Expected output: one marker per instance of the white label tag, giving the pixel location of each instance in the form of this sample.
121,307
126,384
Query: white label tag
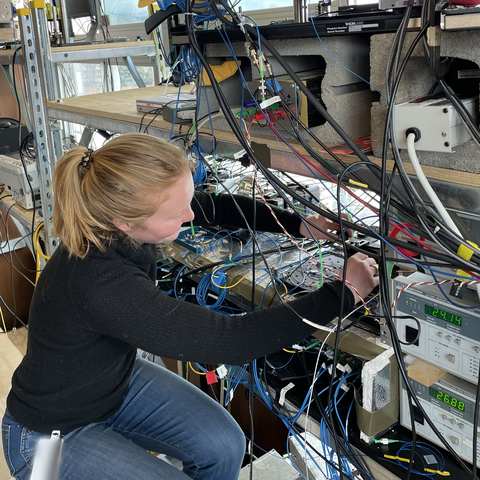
269,101
222,371
283,392
239,154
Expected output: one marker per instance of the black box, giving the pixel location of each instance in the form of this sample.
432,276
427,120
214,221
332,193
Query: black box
9,139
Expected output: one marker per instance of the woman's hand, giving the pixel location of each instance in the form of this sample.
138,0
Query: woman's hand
322,223
362,275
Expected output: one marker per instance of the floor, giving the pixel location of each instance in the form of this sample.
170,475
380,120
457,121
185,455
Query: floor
12,349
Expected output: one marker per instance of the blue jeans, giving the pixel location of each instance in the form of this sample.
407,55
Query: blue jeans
161,413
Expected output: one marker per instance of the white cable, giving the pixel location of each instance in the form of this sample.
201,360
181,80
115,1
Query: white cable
429,190
170,74
201,124
427,187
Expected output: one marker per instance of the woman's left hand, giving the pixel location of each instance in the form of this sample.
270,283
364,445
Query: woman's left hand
324,224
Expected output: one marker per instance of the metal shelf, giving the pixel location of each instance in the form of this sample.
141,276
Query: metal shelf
102,51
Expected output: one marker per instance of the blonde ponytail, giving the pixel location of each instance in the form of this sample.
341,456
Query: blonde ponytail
121,180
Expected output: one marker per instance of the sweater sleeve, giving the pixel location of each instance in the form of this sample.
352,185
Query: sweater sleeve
130,308
224,211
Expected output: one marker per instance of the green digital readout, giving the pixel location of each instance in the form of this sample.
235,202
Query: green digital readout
448,399
443,315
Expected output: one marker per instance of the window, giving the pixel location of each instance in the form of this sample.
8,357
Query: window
253,4
121,12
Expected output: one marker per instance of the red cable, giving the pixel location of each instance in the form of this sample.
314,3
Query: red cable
346,189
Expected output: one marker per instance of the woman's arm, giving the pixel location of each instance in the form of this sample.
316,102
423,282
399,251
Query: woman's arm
223,211
141,315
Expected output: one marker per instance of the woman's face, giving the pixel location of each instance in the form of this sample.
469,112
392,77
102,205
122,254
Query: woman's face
173,210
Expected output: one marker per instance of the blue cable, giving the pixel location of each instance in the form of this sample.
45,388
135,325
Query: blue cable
258,34
308,167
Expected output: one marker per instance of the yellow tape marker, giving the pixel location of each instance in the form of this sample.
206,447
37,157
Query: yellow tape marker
438,472
23,12
37,4
466,253
364,185
393,457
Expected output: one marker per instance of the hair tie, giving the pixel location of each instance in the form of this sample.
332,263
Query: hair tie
87,159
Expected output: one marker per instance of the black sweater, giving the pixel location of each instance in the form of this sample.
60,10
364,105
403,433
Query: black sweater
89,316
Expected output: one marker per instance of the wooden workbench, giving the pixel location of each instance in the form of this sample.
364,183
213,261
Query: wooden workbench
120,107
6,57
21,214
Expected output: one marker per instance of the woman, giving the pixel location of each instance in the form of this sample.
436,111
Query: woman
96,302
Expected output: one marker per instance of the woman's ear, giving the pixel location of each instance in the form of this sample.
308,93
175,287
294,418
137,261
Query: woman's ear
125,227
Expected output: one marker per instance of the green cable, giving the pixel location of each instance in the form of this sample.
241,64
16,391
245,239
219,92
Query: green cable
192,127
314,344
380,440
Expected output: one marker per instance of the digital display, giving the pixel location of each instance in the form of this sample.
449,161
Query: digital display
443,315
448,399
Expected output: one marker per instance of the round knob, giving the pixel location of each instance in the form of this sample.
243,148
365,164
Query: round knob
448,338
476,348
461,425
458,341
440,334
451,358
444,417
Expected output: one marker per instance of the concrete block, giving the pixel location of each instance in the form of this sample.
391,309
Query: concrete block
464,44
